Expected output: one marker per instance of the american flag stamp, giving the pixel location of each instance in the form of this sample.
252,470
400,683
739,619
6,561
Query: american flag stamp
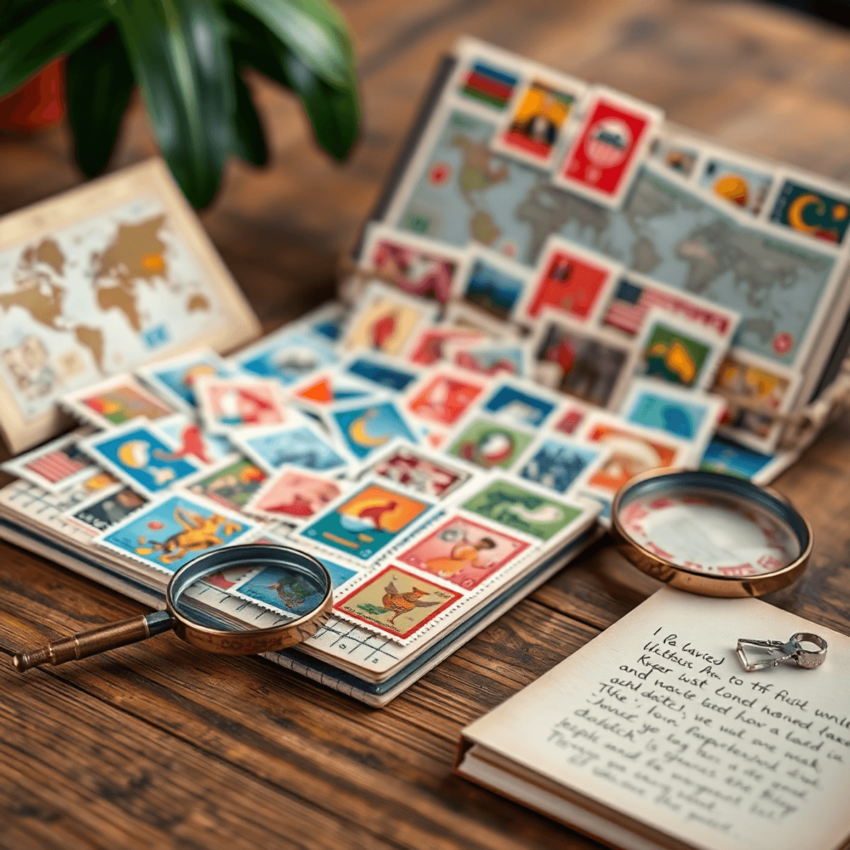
56,465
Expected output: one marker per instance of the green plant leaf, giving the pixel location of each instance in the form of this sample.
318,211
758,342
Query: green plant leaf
180,55
313,31
333,111
60,27
249,140
99,83
14,12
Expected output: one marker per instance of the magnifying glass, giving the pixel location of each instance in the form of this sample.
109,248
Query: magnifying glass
196,614
709,533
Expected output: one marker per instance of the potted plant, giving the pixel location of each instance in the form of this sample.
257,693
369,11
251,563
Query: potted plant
188,58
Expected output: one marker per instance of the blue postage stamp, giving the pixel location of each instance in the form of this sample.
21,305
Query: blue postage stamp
559,464
520,404
377,371
289,357
141,457
364,428
173,530
298,445
174,379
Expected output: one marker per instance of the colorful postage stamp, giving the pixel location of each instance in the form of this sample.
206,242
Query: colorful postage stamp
568,280
465,317
815,211
492,358
174,379
288,593
396,602
430,344
171,531
192,440
559,464
745,186
463,551
487,81
105,509
55,466
725,456
293,495
608,146
386,320
365,428
240,402
114,402
363,524
534,130
687,414
322,390
677,350
522,403
592,365
633,296
411,263
679,154
570,417
287,356
494,284
232,482
381,373
294,445
140,456
488,443
326,321
524,508
445,396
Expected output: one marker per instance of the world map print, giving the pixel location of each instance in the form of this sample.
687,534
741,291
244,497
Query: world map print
97,298
466,193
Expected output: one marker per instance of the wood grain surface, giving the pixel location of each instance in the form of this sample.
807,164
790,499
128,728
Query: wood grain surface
161,746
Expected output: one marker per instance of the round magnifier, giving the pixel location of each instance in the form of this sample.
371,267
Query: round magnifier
199,609
710,533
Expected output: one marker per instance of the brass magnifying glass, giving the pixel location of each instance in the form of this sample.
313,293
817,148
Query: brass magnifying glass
196,615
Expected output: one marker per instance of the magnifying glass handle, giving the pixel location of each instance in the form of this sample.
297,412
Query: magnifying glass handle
99,640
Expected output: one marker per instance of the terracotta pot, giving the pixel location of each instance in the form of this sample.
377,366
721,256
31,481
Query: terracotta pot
38,103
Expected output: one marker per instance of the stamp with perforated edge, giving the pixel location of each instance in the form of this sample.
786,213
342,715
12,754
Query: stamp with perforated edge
114,402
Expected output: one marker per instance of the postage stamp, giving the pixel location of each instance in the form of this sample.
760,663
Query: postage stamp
491,358
687,414
169,532
485,78
55,466
525,508
294,445
679,153
396,602
494,283
287,356
323,389
570,417
593,365
466,317
677,350
293,495
381,372
559,464
633,296
174,379
523,403
463,551
140,456
192,440
535,128
733,178
365,428
608,146
487,442
445,396
811,207
113,402
240,402
105,509
364,523
420,471
430,344
568,280
231,482
725,456
326,322
413,264
386,320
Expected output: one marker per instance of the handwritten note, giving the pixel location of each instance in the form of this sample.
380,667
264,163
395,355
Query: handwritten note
656,718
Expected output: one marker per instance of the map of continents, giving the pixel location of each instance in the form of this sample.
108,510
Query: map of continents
465,193
94,299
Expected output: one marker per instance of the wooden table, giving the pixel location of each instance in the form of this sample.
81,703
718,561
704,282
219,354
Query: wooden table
160,746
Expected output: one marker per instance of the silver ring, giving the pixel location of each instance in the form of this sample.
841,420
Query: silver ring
781,651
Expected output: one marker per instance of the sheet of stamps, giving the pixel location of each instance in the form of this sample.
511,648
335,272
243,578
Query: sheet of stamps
170,531
55,466
240,402
590,364
232,482
174,379
294,495
140,456
386,320
114,402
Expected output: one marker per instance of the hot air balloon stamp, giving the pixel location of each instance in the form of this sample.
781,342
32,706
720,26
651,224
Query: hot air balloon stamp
141,456
744,185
